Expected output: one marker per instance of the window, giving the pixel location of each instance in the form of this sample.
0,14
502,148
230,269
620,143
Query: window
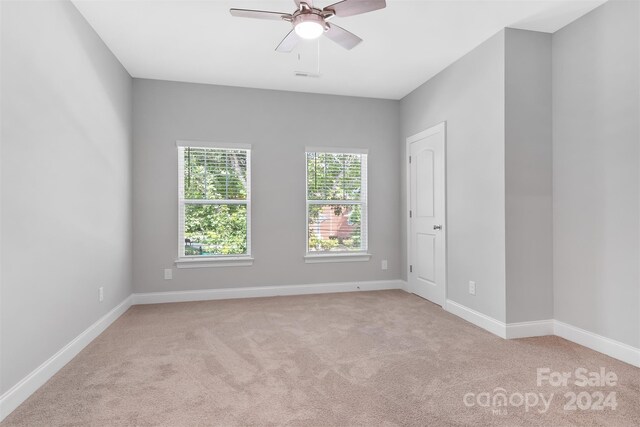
336,205
214,213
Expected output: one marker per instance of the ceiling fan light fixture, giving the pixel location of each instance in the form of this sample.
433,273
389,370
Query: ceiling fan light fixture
308,26
310,22
309,30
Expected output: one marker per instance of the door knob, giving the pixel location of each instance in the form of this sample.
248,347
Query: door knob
437,227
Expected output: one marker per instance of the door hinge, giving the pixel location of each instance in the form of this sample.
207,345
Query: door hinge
411,269
409,159
410,214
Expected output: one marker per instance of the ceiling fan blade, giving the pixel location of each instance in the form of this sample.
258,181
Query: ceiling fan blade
355,7
288,43
341,36
260,14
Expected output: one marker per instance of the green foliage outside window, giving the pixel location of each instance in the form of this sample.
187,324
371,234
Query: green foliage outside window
215,229
215,175
334,177
216,189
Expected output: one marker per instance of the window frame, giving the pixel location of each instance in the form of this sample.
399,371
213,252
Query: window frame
198,261
312,257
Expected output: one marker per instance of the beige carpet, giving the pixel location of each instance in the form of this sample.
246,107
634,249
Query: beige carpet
370,359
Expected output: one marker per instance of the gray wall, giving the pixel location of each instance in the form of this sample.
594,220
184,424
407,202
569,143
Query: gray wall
595,172
529,213
469,95
66,179
279,125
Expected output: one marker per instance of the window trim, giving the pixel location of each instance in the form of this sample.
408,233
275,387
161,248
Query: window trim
339,256
217,261
199,261
336,257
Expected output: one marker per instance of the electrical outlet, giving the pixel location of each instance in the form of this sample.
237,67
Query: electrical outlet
168,274
384,264
472,287
101,293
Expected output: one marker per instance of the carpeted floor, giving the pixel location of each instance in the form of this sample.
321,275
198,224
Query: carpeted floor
369,359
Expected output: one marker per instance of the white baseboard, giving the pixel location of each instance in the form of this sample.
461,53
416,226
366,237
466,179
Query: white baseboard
615,349
28,385
264,291
17,394
488,323
404,285
536,328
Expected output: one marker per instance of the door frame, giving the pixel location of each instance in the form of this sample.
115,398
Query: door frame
442,126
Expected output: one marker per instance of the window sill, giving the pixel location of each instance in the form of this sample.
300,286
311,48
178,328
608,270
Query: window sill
206,262
358,257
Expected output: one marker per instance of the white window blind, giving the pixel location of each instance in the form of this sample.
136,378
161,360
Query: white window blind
214,198
336,201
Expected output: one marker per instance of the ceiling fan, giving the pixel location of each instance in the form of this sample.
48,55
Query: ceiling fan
310,22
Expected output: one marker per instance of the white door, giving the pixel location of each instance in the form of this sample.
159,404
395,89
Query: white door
427,242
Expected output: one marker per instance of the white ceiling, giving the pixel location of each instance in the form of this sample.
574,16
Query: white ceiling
404,45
